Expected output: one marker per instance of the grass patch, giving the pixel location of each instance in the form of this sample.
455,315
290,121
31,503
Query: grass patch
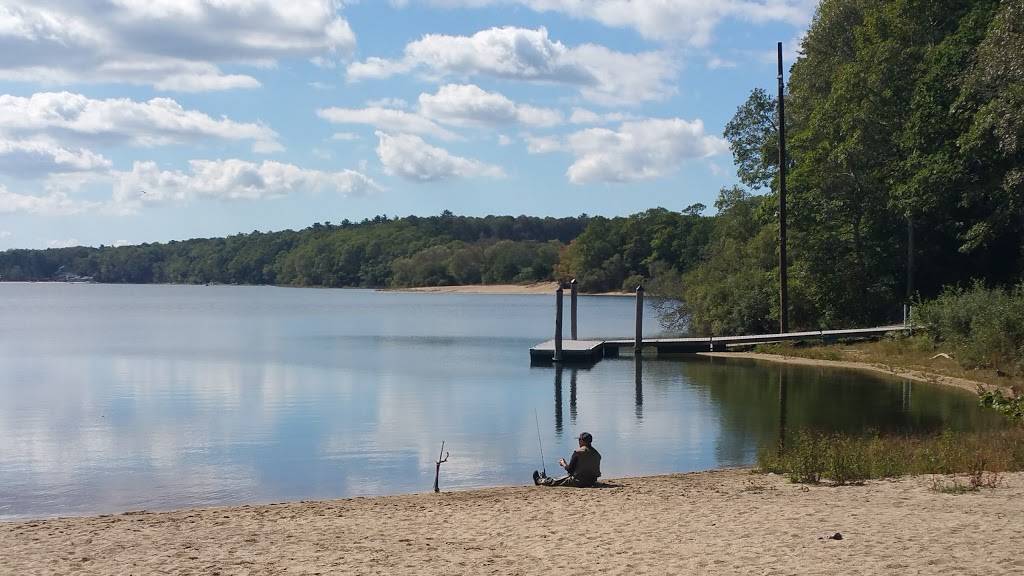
843,459
919,353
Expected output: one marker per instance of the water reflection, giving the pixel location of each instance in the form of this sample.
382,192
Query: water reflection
638,384
124,397
572,396
558,399
782,409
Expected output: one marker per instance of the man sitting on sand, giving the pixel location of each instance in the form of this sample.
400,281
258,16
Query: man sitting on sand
584,468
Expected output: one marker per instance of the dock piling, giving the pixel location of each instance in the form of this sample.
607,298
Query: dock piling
639,340
558,325
572,308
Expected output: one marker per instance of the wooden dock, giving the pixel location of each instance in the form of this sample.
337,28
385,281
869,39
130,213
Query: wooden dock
590,351
577,351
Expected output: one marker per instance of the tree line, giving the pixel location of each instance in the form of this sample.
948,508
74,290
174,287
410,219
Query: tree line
905,133
377,252
605,254
906,160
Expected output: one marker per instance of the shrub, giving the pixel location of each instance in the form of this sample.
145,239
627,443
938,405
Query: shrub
984,326
1012,406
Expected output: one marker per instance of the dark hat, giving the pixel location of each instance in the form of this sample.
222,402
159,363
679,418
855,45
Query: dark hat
586,438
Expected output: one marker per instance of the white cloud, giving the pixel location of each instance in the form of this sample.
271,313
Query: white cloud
716,63
504,140
67,243
543,144
172,45
601,75
388,120
205,82
120,243
388,103
638,150
584,116
159,121
690,21
53,203
411,158
5,234
321,86
229,180
468,104
37,158
344,136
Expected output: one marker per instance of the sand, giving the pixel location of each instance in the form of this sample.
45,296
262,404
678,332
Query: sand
721,522
917,375
535,288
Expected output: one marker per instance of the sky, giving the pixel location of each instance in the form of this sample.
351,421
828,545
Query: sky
131,121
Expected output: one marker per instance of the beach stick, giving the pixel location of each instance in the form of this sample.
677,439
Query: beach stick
437,465
539,443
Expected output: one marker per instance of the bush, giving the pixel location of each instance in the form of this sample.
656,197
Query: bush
984,326
1012,406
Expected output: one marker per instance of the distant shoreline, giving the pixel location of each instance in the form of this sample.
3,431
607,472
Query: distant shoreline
534,288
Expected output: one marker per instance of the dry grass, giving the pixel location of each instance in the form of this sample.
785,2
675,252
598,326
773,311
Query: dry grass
842,459
916,353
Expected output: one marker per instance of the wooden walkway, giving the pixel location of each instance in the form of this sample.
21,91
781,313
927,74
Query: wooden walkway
589,351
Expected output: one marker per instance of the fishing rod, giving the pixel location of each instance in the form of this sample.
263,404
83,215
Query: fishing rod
539,443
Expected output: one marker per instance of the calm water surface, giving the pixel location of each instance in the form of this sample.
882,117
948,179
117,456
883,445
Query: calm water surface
116,398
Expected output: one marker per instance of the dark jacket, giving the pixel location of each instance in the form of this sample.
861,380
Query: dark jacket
585,465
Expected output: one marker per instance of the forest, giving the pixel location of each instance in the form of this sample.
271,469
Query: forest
905,132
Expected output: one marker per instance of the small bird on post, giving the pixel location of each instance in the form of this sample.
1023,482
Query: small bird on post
437,465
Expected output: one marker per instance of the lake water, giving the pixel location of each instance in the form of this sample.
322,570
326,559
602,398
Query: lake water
116,398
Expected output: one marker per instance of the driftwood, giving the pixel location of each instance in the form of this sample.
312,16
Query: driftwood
441,459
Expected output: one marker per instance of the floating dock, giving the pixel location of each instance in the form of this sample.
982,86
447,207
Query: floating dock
590,351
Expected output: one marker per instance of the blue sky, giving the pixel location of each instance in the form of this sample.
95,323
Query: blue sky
129,121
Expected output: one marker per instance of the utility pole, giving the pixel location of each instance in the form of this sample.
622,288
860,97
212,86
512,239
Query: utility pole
910,271
783,287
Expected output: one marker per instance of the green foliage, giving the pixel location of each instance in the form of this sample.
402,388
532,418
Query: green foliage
1012,406
377,252
844,459
617,253
900,115
753,137
984,327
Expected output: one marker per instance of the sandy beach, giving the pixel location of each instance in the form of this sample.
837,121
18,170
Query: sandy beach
720,522
535,288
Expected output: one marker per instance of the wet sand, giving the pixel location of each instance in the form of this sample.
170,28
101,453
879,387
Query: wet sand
916,375
721,522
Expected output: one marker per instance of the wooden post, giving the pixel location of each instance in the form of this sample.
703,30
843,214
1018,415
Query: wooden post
572,308
558,325
639,340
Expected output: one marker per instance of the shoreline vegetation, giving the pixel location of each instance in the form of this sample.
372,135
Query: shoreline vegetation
719,522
